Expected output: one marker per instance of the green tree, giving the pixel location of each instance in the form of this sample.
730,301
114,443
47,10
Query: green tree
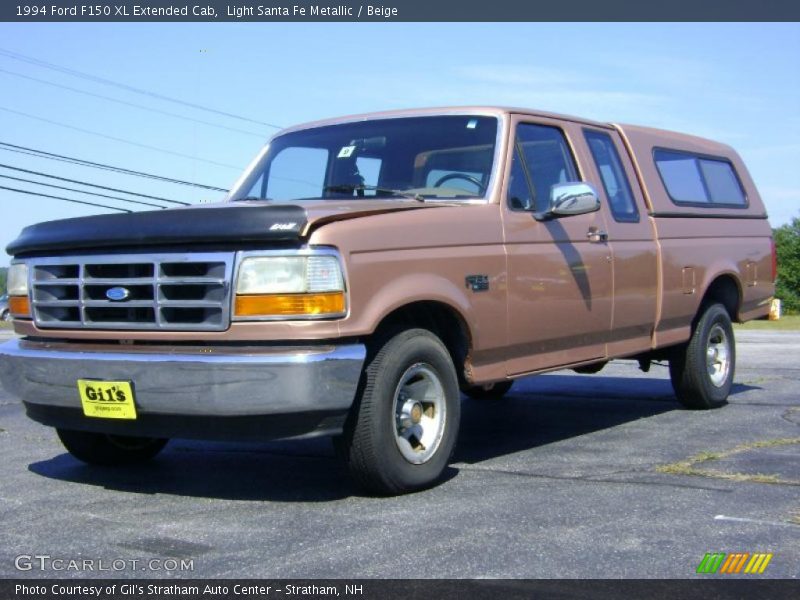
787,243
3,272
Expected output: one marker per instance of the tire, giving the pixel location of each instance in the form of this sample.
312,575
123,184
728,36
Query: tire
492,391
702,370
394,442
5,316
109,450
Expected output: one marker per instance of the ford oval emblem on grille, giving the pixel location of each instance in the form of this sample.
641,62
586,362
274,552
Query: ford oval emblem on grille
118,294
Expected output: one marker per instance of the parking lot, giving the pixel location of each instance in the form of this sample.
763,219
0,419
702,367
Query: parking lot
570,476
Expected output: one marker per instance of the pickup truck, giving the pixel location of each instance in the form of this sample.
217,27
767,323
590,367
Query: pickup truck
364,271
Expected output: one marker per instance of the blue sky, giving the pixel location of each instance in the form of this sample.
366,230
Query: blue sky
737,83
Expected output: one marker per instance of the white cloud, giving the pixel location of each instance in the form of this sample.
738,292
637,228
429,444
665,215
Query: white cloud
782,203
782,194
777,149
556,90
520,75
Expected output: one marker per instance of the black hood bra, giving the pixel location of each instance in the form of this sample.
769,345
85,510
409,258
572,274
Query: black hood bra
260,223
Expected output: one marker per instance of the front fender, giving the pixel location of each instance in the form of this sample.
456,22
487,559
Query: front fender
408,289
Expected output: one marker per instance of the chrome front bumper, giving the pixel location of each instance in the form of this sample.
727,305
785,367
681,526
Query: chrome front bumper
220,381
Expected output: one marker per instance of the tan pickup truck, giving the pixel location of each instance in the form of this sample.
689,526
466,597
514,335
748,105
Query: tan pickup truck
365,270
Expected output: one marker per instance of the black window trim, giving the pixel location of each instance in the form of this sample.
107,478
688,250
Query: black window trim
521,156
696,156
638,215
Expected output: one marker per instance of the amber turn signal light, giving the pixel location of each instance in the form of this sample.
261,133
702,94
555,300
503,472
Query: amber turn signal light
284,305
19,306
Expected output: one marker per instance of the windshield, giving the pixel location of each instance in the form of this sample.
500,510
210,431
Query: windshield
418,157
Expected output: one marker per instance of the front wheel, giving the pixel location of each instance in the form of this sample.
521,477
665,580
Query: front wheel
109,450
702,370
404,425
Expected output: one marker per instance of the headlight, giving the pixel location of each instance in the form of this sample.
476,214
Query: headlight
17,283
290,286
18,280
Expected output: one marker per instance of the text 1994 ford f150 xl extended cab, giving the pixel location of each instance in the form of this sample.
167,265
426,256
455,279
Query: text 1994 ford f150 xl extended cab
365,270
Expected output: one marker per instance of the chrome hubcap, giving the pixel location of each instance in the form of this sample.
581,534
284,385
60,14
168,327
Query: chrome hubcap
419,411
718,353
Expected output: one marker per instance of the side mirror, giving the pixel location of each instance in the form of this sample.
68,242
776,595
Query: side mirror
568,199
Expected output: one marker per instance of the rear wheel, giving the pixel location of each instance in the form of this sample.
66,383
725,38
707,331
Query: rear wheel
404,425
109,450
702,370
490,391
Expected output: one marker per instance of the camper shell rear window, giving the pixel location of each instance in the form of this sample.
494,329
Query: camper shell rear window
699,180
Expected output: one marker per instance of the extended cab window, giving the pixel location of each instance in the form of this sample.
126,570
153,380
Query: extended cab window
542,159
615,181
699,180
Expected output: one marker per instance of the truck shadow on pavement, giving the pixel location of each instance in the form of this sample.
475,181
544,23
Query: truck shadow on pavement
551,408
538,411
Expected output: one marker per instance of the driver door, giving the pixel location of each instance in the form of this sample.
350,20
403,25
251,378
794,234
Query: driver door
560,272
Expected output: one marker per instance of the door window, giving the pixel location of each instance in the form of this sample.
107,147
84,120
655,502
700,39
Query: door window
544,160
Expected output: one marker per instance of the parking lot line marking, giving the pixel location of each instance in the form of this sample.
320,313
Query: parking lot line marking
746,520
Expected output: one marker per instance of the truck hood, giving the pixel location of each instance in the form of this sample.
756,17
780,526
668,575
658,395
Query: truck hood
319,212
252,221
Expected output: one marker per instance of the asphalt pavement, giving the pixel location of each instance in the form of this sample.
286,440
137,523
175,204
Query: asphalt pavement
569,476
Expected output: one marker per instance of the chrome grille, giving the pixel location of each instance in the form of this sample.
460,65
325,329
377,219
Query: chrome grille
158,292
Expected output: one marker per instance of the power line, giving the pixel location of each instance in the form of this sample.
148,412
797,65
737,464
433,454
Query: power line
69,189
129,88
140,106
88,163
117,139
94,185
2,187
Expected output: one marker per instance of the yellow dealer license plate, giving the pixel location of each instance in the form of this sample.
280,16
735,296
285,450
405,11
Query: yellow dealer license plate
107,399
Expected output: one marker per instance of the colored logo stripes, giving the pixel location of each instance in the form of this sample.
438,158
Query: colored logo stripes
737,562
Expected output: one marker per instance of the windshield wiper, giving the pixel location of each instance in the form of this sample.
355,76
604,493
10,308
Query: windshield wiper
349,188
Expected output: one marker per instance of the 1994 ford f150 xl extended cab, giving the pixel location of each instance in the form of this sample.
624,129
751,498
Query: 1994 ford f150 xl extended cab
364,270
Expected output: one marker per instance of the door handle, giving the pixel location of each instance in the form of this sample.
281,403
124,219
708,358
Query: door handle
596,236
